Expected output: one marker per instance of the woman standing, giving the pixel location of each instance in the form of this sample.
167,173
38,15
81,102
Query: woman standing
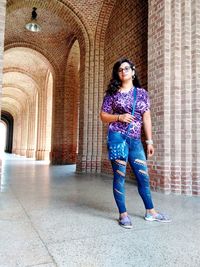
117,110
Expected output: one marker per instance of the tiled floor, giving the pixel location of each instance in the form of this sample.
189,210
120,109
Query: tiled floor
51,216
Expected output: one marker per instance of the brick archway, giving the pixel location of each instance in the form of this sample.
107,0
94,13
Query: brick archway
79,28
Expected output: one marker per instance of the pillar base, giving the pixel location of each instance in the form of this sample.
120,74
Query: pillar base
30,153
42,154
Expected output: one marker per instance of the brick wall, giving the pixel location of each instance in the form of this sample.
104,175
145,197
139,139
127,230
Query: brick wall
194,17
173,78
126,35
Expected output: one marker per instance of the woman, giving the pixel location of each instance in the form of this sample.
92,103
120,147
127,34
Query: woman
116,110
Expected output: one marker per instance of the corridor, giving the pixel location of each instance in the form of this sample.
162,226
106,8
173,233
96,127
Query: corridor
50,216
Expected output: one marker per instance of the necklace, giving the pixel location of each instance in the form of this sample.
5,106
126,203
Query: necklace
121,90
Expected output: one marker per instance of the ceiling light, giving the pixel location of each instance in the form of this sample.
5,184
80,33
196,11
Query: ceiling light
33,26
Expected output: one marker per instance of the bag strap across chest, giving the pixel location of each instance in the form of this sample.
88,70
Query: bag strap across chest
133,110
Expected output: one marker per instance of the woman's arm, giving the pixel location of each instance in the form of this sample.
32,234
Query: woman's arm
147,125
106,117
148,132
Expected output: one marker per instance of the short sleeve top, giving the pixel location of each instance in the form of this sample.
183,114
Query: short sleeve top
122,102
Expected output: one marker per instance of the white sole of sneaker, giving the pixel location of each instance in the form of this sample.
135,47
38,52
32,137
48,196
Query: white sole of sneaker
126,226
157,220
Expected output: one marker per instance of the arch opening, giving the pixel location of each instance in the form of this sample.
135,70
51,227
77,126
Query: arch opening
7,119
3,133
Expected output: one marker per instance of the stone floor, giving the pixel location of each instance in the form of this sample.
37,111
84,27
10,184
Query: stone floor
51,216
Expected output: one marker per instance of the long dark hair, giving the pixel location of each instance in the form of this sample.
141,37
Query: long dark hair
115,83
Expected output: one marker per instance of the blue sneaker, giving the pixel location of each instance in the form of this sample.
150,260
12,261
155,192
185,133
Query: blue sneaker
159,217
125,222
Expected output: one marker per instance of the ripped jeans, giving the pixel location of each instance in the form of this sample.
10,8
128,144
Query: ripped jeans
137,160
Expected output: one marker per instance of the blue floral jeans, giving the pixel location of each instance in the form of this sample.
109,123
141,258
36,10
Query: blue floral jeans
137,160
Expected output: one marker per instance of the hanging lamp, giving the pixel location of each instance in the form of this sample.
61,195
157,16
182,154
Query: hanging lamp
33,26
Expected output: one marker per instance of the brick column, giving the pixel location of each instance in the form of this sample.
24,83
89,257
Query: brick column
17,133
195,91
41,150
44,115
159,90
71,106
32,129
24,132
174,86
175,97
57,122
186,97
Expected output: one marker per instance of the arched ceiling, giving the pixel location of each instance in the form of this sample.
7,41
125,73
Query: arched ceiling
24,76
25,66
56,16
15,92
58,20
11,105
26,60
22,80
52,25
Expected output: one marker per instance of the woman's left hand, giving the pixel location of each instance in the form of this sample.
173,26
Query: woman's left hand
150,150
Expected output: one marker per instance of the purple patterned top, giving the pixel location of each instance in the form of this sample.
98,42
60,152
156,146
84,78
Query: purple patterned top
122,102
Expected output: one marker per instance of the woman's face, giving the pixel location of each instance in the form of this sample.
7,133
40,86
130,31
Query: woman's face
125,72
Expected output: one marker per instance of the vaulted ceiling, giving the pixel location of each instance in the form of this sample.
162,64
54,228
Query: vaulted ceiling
30,56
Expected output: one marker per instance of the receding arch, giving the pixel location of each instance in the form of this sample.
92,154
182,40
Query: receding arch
15,56
77,25
26,89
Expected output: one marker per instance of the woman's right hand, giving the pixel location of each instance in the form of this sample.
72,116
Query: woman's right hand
126,117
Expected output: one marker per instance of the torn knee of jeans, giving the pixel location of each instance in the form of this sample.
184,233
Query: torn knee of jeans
143,172
118,191
121,173
122,162
141,162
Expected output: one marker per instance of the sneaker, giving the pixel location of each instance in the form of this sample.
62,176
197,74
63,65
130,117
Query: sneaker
159,217
125,222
